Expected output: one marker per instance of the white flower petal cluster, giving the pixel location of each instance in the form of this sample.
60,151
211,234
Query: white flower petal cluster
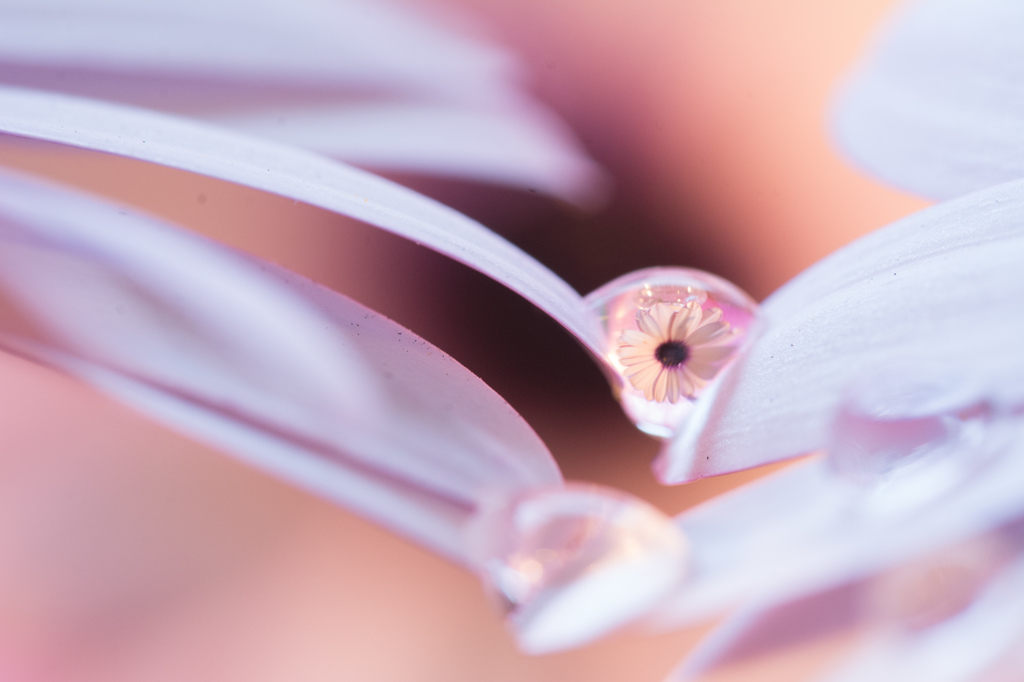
899,355
909,527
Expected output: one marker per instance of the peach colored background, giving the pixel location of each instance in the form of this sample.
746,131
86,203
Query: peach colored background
132,554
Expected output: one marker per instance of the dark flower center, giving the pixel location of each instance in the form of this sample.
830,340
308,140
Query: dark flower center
672,353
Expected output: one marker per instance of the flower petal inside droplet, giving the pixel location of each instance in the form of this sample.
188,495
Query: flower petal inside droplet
675,350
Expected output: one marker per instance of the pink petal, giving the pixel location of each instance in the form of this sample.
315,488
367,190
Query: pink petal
259,362
938,291
308,72
937,106
298,175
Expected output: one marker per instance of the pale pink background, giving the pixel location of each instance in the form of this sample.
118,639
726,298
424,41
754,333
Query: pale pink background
128,553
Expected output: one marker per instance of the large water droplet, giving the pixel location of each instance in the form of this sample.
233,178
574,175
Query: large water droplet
669,333
573,563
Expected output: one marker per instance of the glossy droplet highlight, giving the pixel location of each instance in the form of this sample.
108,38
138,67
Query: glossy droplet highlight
573,563
669,333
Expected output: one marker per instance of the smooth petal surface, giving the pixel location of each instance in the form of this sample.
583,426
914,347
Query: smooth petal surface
938,107
967,648
374,45
807,530
938,292
299,175
959,649
259,362
811,527
522,145
758,629
310,72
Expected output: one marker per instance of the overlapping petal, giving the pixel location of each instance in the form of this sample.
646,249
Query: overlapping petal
979,641
920,470
937,107
938,290
805,530
981,644
321,74
259,362
296,174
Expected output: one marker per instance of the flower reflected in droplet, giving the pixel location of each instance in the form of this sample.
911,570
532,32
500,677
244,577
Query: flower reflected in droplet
675,350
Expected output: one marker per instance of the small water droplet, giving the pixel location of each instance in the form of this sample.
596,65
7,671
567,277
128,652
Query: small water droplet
570,564
908,436
669,333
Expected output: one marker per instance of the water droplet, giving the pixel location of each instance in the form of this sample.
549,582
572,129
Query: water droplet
909,436
669,333
573,563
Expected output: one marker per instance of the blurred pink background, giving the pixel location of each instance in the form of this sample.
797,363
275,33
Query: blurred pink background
133,554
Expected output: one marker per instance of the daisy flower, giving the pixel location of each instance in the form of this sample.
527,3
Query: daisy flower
675,350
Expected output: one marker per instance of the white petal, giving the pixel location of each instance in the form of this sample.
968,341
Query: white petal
966,648
645,378
684,322
805,530
653,323
958,650
259,362
299,175
673,379
706,355
660,388
709,333
300,43
322,75
638,339
938,292
690,382
938,107
759,629
704,371
638,357
710,316
520,145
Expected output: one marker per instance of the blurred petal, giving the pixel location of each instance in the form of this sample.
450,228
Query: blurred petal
806,529
259,362
303,43
961,649
305,72
937,108
759,629
523,147
955,650
939,289
298,175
